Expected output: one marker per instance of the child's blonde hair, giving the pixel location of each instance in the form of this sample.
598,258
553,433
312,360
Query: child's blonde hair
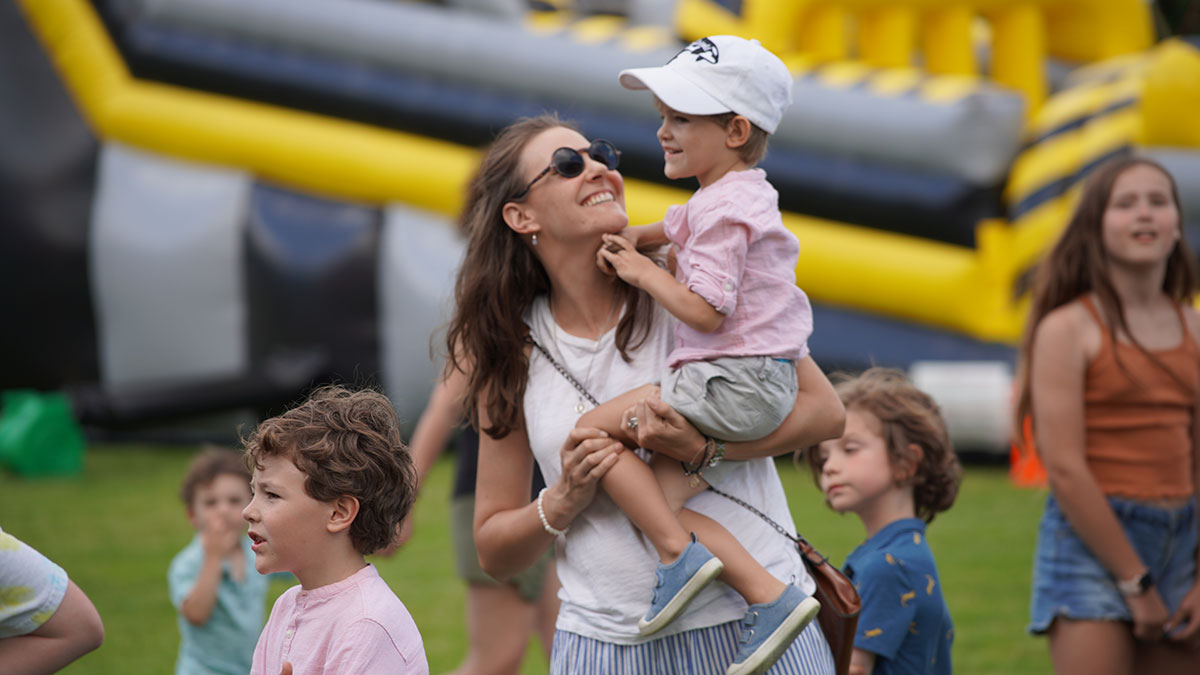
755,147
908,416
346,443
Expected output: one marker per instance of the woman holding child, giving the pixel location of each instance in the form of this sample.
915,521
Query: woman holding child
536,215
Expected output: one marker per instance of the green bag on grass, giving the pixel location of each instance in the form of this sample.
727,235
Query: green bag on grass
39,435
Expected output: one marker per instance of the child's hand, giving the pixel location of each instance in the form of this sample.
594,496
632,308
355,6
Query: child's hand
287,668
618,255
218,537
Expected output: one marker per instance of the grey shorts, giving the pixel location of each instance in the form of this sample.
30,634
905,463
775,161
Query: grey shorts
734,399
466,558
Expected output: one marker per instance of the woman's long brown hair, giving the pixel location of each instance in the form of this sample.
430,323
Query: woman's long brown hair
1077,265
497,283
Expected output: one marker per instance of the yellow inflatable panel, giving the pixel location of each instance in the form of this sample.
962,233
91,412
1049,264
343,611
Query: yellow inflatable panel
966,290
1023,34
1171,97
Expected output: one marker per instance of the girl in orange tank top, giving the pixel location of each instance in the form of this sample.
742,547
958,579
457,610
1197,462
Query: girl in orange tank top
1110,374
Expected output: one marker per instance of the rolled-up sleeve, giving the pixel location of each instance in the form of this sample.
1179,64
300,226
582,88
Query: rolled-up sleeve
716,256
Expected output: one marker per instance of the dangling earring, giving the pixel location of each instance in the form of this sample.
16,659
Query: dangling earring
534,240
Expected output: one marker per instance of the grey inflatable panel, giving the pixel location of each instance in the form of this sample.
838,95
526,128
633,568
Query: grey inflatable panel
513,10
418,259
974,137
167,282
1184,166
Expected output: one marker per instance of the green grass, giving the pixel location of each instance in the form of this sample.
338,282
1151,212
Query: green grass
116,527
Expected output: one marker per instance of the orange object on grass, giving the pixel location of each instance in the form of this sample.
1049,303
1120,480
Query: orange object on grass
1025,467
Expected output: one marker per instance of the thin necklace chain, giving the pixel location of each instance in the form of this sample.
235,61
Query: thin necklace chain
579,407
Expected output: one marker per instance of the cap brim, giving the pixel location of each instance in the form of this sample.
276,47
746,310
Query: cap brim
674,90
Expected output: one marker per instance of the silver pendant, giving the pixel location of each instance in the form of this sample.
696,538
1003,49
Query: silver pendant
579,407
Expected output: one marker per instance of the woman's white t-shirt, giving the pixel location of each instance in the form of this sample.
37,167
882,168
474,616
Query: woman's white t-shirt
605,565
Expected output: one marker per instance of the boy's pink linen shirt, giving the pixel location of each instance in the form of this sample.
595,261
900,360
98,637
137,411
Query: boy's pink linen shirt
733,250
350,627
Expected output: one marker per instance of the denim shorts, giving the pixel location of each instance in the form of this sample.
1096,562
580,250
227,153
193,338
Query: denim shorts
1070,582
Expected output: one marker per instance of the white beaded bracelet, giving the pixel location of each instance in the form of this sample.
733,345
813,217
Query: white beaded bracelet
545,523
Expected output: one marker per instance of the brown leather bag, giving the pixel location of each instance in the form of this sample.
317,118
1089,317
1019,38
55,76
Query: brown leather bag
839,600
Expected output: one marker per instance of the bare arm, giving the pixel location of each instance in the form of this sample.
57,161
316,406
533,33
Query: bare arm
218,538
1185,622
648,236
1057,384
74,630
638,270
508,532
817,415
442,414
862,662
198,606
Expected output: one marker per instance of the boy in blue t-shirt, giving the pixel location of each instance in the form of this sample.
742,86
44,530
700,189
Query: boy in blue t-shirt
894,468
214,586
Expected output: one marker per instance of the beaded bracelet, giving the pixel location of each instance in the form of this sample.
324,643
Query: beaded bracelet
542,516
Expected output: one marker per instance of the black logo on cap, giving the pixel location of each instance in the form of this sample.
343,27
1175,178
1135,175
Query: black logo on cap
704,49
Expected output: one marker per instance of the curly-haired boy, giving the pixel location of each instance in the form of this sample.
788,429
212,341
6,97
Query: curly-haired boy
894,468
332,483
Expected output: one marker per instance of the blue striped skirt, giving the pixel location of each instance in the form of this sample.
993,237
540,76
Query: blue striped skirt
704,651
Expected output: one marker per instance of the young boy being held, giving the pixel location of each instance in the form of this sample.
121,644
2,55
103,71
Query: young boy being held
212,580
332,483
743,325
895,469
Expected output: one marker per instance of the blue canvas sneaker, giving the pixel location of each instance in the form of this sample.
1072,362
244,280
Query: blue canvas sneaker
768,629
677,584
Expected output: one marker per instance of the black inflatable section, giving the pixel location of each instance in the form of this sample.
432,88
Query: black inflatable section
311,281
943,208
47,180
273,386
848,340
897,200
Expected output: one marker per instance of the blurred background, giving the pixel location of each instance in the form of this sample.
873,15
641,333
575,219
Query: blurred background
209,205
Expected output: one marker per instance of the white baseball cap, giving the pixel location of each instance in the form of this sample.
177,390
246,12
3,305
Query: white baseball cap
720,74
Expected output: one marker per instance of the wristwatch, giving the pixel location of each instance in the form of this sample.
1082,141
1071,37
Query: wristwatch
1137,585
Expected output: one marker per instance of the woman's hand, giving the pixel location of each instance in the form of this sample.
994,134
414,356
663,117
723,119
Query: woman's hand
661,429
1149,615
586,456
1184,624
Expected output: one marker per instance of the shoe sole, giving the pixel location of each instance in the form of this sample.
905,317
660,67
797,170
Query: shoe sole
703,576
777,643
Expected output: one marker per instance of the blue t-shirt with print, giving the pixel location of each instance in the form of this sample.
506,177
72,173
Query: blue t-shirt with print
904,620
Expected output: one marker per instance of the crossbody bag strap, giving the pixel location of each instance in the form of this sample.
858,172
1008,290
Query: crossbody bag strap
798,539
570,378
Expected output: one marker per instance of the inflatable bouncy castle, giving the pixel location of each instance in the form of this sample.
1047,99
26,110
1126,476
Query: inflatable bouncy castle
216,202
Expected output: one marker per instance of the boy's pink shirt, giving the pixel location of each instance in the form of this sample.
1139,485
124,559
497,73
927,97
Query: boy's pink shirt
353,626
734,251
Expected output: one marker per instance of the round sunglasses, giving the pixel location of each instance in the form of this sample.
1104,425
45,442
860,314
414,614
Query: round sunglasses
568,162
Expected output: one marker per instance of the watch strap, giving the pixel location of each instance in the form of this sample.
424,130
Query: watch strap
1137,585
